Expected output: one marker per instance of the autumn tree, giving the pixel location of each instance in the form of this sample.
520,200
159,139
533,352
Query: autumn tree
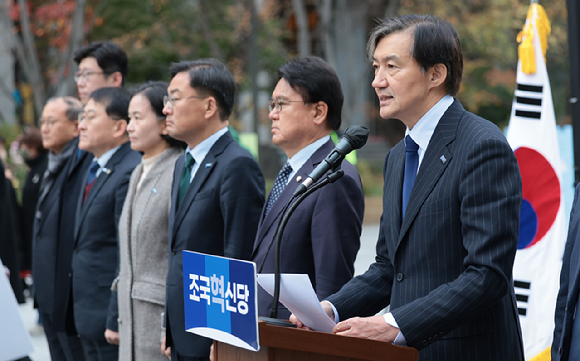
45,36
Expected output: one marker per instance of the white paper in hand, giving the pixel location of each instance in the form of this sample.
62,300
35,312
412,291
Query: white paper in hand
297,294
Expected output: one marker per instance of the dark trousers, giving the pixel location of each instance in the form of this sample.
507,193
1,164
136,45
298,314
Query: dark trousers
100,350
177,357
61,346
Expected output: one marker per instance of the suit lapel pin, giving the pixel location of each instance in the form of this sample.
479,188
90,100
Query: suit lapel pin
107,171
443,159
208,165
153,190
298,179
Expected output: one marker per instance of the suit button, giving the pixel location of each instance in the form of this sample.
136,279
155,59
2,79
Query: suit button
425,343
70,275
399,277
173,252
566,309
560,351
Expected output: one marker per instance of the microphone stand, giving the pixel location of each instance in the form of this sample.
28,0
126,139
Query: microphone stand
331,178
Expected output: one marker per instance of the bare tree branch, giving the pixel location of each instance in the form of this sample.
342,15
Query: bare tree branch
96,13
215,49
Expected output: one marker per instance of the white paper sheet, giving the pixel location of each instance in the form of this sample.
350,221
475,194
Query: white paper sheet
297,294
15,341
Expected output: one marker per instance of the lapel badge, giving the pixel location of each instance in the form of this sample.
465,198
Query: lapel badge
443,159
208,165
298,179
107,171
153,190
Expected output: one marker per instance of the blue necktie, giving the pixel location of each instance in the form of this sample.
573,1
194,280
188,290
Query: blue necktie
279,185
411,165
93,168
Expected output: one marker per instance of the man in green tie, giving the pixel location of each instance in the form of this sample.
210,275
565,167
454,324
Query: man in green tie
218,188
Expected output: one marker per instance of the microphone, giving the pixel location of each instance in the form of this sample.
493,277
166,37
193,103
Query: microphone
354,137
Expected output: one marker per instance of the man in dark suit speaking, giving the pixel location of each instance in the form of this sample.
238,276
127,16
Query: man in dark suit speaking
322,236
451,206
217,192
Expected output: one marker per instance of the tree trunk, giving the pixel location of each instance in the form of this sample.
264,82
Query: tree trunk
34,71
349,35
304,43
65,85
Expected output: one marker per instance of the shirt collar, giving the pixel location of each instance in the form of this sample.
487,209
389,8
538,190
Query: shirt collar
298,160
425,127
200,151
104,159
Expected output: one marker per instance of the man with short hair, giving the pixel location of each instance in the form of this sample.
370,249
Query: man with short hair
101,64
322,237
59,136
451,205
103,132
217,192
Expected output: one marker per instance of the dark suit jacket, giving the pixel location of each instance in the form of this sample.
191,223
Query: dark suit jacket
569,287
218,215
75,173
45,243
322,236
95,256
446,268
30,196
9,235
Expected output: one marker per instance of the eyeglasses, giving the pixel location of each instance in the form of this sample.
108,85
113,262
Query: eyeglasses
169,100
277,104
85,75
48,123
83,116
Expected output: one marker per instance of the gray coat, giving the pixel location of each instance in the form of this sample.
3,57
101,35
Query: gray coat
143,260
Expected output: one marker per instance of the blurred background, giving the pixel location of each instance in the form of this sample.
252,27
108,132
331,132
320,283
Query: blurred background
254,38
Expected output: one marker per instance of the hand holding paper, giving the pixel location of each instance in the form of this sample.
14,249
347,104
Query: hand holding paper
297,294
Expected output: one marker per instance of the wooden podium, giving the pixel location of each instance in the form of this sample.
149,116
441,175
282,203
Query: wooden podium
285,344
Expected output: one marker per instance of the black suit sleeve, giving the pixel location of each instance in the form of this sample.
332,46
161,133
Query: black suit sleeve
366,294
336,228
120,194
241,202
564,276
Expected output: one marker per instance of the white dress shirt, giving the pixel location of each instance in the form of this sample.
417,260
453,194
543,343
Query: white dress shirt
104,159
298,160
200,151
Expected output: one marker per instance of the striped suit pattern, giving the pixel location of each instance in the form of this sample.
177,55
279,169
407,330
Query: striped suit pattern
446,268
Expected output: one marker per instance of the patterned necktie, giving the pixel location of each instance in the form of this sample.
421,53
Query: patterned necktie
411,165
185,177
93,168
279,185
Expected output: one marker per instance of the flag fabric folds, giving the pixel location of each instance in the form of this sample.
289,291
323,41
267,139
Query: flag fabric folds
532,135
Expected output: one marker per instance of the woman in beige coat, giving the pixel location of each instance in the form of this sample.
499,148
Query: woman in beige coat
143,228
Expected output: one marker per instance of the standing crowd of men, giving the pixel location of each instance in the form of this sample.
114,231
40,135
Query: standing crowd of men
133,180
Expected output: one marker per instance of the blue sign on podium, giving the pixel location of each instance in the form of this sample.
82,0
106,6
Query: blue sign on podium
220,299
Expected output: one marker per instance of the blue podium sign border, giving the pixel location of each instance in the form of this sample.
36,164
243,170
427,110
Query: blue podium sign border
220,299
